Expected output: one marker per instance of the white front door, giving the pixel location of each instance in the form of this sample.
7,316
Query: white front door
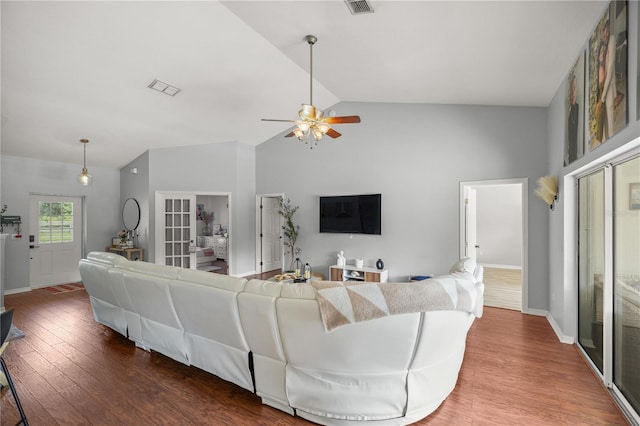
175,229
55,225
270,234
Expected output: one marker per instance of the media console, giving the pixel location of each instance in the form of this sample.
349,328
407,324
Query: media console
353,273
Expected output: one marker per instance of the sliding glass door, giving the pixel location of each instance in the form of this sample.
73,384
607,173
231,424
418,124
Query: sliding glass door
609,275
591,266
626,282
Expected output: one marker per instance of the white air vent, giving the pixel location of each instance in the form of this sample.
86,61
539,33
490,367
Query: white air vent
163,87
358,7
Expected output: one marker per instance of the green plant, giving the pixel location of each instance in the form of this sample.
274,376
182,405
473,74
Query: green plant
291,231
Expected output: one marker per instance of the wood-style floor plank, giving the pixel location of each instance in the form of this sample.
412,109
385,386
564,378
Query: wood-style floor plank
71,370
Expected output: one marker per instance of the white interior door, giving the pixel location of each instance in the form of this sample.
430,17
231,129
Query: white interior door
270,234
470,223
55,224
175,229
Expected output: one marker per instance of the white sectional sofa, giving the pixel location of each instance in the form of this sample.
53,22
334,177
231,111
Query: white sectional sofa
269,338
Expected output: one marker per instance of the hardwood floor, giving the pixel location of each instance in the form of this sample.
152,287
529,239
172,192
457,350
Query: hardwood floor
70,370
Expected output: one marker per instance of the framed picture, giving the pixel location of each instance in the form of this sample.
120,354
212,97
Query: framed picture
634,196
608,53
115,241
574,113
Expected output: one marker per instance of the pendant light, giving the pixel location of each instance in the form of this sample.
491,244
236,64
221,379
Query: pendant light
85,178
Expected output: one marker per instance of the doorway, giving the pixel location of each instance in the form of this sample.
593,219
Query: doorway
493,232
269,244
55,240
193,230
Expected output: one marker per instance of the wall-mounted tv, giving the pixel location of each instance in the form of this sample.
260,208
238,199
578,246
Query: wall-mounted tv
351,214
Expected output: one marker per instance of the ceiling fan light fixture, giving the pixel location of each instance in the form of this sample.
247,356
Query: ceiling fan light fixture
304,126
317,133
323,127
300,134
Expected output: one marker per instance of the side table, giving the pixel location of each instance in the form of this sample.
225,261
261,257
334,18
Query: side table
131,253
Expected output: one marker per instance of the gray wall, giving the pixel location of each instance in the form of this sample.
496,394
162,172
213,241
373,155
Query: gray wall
137,186
221,167
562,221
23,176
415,155
499,225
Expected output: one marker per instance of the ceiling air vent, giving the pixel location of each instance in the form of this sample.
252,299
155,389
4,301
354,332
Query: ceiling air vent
163,87
358,7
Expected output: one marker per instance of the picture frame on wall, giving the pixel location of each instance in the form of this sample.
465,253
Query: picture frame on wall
608,75
574,112
634,196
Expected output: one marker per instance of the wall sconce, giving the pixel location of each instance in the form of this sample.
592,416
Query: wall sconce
85,179
547,190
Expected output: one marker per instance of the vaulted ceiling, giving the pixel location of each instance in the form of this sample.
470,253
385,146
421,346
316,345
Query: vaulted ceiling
81,69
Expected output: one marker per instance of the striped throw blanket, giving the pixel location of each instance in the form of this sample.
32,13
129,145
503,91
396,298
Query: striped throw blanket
343,303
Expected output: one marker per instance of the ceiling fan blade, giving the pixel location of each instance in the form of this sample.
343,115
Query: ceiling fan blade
274,119
343,120
333,133
289,135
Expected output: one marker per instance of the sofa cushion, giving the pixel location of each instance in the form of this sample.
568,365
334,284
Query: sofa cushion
145,268
225,282
466,264
108,258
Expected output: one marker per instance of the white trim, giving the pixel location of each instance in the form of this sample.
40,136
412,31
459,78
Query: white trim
17,290
569,340
494,265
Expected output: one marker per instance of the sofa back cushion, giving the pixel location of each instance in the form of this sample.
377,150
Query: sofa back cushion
225,282
209,312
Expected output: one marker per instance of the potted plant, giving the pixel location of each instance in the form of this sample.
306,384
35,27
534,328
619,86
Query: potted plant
291,231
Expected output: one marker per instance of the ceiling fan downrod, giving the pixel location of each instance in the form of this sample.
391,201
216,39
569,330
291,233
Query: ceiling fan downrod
311,39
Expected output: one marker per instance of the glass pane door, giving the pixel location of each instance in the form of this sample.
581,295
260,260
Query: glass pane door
626,283
591,266
178,219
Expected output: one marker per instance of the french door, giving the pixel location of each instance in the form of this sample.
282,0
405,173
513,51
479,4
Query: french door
609,275
175,229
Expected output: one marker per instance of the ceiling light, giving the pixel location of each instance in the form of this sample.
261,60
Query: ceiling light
163,87
85,178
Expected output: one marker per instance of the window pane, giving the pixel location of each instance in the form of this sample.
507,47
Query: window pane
626,283
44,231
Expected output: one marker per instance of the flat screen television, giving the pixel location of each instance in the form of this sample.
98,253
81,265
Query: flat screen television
351,214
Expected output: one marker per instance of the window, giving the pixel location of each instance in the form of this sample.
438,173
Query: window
55,222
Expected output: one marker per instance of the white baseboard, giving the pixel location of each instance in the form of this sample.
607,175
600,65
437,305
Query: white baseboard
245,274
17,290
494,265
563,338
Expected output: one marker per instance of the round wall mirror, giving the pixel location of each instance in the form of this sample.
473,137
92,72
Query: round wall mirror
131,214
